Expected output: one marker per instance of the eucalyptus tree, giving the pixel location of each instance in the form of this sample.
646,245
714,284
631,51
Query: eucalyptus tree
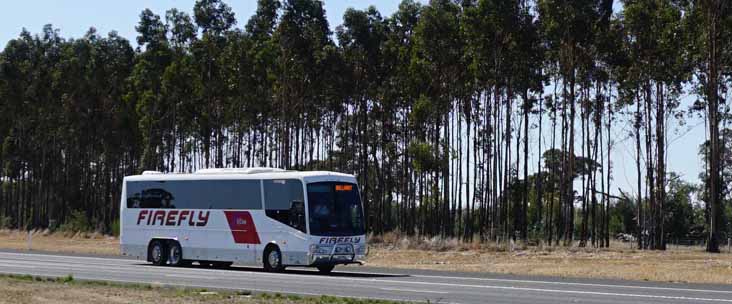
304,44
361,38
438,63
398,94
180,89
529,82
613,60
263,56
26,74
655,32
485,27
709,23
112,152
567,30
215,19
146,81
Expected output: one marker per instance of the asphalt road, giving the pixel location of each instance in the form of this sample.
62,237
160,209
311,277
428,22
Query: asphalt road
365,282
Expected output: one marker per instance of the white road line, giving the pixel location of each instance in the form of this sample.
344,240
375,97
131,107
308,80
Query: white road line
569,291
578,284
187,276
413,290
64,256
18,266
525,289
548,282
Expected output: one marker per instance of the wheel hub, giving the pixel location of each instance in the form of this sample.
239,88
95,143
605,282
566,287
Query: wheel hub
156,253
174,255
274,259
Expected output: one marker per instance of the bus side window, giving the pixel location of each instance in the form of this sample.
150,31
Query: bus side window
195,194
278,197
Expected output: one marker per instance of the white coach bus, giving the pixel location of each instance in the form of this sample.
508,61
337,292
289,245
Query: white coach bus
252,216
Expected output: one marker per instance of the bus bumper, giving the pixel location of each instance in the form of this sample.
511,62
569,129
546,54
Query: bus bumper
333,259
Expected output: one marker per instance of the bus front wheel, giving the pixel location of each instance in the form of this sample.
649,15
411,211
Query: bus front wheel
273,259
326,269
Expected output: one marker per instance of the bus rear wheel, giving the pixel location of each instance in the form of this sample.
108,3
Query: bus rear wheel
157,253
326,269
175,255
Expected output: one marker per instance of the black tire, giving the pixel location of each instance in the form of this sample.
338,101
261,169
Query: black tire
326,269
157,253
175,255
273,259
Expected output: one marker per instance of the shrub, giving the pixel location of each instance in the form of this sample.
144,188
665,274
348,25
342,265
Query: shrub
115,227
67,279
6,222
76,222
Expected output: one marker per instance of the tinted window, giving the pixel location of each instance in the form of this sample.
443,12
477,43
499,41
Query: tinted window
335,209
201,194
278,197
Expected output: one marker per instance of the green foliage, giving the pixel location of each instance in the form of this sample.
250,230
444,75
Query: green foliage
617,225
424,158
6,222
423,112
67,279
623,216
679,207
115,227
77,221
555,161
213,16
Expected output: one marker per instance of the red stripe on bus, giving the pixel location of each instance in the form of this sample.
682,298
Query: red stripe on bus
242,227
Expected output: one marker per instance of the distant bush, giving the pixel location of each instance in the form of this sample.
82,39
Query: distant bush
67,279
6,222
76,222
115,227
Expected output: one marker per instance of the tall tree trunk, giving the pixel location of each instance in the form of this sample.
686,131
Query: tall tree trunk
524,207
715,217
639,216
660,164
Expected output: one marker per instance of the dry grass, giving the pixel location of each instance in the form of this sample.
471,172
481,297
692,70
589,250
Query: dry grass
92,243
20,290
620,261
678,264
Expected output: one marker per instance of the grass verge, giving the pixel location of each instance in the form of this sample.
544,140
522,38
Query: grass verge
32,289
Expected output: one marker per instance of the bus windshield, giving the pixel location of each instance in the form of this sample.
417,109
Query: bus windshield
335,209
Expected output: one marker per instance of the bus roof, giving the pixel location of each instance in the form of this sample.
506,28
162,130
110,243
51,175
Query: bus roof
244,173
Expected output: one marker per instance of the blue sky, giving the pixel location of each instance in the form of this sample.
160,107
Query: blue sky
74,18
